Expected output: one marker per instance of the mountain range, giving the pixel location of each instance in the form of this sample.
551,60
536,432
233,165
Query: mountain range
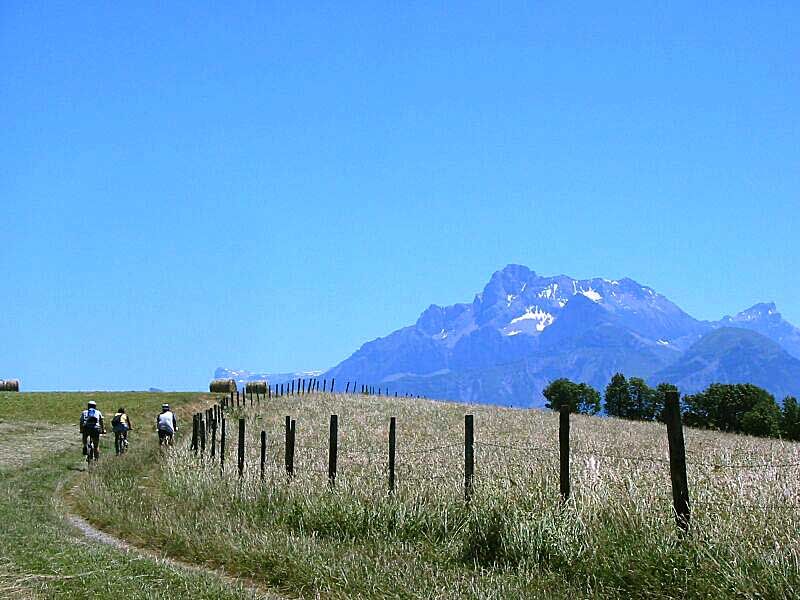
524,330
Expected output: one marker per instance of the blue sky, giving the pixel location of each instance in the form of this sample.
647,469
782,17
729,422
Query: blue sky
268,186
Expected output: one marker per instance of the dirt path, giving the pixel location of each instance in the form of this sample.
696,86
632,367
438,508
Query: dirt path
251,588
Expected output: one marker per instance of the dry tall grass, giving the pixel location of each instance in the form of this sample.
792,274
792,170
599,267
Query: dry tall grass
616,536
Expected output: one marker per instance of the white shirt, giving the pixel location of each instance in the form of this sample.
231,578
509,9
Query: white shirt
166,421
94,413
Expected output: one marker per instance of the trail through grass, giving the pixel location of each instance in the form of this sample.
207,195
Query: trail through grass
41,555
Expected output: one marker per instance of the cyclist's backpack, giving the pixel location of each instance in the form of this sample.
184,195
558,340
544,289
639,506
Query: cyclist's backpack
116,422
91,418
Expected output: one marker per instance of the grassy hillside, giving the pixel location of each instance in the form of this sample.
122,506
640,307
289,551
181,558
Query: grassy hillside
615,537
41,554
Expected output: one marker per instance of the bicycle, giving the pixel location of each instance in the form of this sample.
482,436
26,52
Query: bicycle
91,451
121,442
165,438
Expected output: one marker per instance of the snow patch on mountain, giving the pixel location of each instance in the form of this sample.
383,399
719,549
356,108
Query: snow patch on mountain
549,292
592,294
534,313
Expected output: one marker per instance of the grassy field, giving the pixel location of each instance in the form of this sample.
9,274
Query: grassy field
615,538
41,555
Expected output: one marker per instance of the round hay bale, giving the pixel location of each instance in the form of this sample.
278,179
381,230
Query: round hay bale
9,385
256,387
222,386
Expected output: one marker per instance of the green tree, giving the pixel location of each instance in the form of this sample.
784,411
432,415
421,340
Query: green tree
643,400
661,398
630,399
763,420
617,396
580,397
790,419
733,407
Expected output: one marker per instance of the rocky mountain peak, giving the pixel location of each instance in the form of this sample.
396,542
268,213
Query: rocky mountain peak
762,310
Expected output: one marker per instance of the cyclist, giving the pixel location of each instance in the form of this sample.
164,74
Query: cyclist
91,425
166,424
121,424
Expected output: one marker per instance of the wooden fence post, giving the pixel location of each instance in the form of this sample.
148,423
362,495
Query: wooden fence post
563,452
263,451
333,448
288,441
202,426
469,455
240,449
222,440
347,388
677,460
332,382
392,448
214,438
194,433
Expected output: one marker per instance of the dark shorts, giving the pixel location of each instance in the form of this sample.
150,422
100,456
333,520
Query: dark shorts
164,434
94,434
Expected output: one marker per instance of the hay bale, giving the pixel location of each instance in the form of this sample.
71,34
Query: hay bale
256,387
222,386
9,385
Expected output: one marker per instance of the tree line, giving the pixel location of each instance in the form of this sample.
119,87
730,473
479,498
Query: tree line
736,408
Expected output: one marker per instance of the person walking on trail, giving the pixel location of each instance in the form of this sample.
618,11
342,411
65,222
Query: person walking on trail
166,424
121,424
91,426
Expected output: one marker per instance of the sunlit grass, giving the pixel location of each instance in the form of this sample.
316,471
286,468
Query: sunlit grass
41,555
615,537
21,443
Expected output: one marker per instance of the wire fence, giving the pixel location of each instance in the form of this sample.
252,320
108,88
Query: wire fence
498,455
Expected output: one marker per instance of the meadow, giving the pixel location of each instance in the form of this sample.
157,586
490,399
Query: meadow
615,537
41,554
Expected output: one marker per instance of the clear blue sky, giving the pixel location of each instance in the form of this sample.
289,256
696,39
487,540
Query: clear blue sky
267,187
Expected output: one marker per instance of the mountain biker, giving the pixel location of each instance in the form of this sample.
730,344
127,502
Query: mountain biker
91,426
121,424
166,424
